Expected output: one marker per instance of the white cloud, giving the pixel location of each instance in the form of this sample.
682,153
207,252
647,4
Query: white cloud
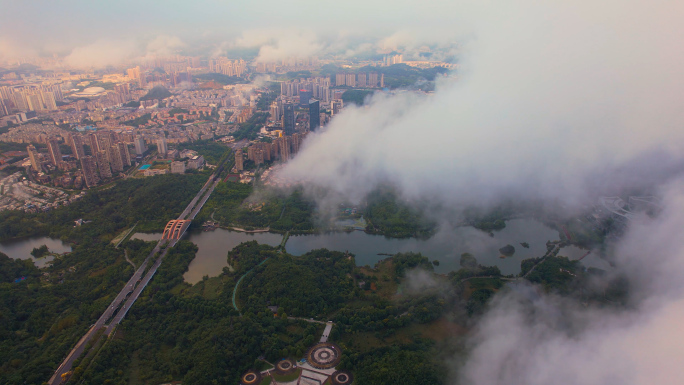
548,96
281,43
102,53
530,339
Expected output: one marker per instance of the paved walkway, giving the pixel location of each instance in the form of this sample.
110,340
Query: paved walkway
127,259
326,332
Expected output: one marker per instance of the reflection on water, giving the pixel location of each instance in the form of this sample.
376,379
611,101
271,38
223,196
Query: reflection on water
446,246
21,248
212,249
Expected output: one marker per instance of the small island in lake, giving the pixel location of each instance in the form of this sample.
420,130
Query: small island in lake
507,250
40,252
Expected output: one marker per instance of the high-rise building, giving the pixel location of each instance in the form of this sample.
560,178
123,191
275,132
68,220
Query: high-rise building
103,166
239,160
284,147
35,103
49,100
314,115
53,150
351,80
88,166
177,167
266,148
136,74
125,154
275,111
162,147
288,119
392,59
4,110
115,161
76,143
296,142
35,159
19,101
5,92
139,143
93,143
336,106
104,140
361,80
340,79
373,79
304,97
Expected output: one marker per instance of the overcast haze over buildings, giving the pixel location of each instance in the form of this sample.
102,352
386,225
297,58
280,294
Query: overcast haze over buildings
553,102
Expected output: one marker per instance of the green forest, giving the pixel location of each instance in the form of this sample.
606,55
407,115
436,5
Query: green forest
212,151
250,128
179,332
389,332
387,215
157,92
150,201
357,97
275,210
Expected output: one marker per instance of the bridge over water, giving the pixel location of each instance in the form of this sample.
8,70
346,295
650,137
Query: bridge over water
173,231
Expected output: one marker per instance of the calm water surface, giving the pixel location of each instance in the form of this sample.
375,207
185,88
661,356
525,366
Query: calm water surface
446,247
213,248
21,248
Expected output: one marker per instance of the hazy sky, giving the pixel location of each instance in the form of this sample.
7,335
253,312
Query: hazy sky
30,27
558,102
552,99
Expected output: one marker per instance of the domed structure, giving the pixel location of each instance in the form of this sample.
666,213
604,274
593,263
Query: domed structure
90,92
93,90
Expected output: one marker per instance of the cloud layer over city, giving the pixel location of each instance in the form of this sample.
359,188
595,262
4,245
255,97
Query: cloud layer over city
553,102
529,338
101,34
547,98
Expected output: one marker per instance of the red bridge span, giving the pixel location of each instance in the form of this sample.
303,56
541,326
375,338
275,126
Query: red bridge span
175,229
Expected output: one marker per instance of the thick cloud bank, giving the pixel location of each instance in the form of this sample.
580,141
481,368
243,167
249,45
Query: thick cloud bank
558,102
549,96
530,339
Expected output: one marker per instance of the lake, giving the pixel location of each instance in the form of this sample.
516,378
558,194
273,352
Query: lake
446,247
213,248
21,248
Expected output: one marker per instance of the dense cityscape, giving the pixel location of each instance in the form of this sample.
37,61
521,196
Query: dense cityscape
447,193
93,128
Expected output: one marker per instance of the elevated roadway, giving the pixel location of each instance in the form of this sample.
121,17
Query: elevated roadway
136,284
80,345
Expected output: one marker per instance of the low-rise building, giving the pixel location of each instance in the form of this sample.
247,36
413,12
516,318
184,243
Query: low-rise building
196,162
178,167
153,172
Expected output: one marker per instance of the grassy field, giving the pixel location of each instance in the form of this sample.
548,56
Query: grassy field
288,377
